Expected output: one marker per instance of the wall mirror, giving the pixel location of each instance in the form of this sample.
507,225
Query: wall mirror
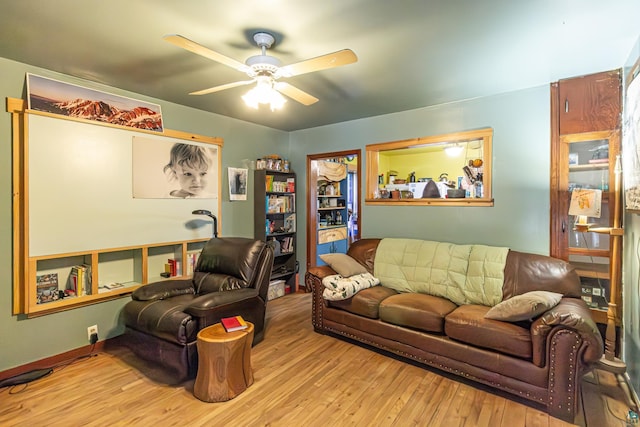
442,170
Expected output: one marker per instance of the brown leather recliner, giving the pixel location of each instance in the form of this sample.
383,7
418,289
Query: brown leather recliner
163,319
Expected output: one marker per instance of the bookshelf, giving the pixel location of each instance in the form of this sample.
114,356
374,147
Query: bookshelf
332,214
275,220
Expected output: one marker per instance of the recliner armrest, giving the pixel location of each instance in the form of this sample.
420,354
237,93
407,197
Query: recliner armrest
571,313
163,289
203,304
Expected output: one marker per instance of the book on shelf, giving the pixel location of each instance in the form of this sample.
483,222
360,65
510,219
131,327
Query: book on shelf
114,285
192,261
72,282
235,323
174,267
290,223
598,161
86,279
268,181
280,204
46,288
79,282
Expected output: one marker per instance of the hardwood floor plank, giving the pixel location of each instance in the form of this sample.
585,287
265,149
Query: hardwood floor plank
301,379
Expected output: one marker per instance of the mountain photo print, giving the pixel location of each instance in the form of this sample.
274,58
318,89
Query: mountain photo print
65,99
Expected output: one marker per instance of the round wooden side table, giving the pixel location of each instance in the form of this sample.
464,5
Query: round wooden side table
224,363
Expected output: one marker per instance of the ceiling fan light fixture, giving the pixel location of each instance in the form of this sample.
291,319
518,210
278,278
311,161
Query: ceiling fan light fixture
264,93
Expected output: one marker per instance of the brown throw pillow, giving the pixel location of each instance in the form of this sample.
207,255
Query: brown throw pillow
343,264
525,306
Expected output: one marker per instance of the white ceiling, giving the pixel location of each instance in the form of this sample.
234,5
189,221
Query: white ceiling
411,53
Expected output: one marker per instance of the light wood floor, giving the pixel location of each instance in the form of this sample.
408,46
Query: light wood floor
301,379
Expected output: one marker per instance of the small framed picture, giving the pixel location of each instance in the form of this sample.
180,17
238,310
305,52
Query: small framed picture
573,159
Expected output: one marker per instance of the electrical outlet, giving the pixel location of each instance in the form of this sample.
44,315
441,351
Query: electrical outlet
92,330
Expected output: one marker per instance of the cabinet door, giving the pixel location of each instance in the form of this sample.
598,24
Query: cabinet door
586,161
590,103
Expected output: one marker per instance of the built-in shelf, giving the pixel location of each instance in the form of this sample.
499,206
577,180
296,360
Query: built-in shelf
107,273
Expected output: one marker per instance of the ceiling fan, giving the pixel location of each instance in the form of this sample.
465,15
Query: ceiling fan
265,70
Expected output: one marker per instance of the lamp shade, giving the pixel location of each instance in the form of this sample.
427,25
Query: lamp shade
586,202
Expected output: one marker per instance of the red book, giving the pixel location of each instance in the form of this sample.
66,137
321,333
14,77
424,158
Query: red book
173,267
235,323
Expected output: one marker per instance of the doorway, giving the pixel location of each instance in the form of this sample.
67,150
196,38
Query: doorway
333,203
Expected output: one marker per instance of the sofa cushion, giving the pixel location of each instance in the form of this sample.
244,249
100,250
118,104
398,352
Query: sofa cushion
343,264
366,302
468,324
417,311
525,306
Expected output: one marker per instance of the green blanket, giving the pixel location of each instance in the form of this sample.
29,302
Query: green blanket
463,274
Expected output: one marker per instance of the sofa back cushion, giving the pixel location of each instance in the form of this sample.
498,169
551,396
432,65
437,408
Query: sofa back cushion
526,272
228,263
364,251
523,272
463,274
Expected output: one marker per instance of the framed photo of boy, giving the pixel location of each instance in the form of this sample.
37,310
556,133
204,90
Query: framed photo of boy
238,183
169,169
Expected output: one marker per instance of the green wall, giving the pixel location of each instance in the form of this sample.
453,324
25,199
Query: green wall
26,340
519,219
521,156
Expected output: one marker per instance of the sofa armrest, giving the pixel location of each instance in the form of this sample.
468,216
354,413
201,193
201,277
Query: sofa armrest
202,305
570,313
163,289
318,272
313,282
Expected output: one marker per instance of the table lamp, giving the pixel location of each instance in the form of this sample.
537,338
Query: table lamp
210,215
585,202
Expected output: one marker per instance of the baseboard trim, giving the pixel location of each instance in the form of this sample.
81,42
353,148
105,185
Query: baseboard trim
52,361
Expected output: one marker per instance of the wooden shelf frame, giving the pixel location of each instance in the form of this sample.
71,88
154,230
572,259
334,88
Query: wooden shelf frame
25,266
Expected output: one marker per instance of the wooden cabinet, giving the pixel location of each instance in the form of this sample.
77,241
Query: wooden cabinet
99,275
589,103
275,220
332,212
585,142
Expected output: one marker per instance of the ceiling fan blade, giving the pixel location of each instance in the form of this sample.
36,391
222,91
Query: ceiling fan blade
296,94
331,60
221,87
198,49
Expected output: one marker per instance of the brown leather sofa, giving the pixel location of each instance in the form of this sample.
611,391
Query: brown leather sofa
163,318
541,360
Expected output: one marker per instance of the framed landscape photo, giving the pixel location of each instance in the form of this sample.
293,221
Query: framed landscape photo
69,100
